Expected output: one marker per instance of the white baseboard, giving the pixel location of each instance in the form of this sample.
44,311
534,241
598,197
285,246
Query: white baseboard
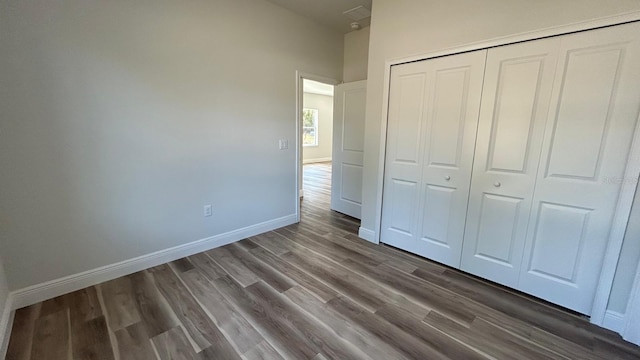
50,289
613,321
6,323
367,234
310,161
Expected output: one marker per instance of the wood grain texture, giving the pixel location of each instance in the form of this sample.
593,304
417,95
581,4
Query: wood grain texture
91,340
134,343
51,337
118,299
312,290
173,345
22,332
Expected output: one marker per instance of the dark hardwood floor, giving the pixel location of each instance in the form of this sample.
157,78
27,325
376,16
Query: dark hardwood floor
313,290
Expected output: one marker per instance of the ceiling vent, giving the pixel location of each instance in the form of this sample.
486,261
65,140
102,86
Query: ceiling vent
357,13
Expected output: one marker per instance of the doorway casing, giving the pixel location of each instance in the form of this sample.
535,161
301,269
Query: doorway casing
300,77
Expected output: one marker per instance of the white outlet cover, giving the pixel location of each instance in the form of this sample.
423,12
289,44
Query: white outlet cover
208,211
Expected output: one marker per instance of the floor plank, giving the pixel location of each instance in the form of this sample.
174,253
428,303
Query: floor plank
134,343
22,332
51,337
173,345
117,296
91,340
237,328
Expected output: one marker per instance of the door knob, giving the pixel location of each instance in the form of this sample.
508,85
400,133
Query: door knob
496,184
447,177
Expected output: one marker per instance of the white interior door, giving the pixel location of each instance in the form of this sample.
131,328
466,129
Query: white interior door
515,101
433,115
348,147
594,109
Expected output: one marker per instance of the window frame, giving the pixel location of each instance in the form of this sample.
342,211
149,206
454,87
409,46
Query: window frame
315,117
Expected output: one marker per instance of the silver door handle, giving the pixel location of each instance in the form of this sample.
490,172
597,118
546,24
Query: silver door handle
496,184
447,177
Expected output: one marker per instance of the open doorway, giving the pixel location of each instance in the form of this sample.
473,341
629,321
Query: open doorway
317,142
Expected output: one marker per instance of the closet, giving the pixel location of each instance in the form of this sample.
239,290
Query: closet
507,162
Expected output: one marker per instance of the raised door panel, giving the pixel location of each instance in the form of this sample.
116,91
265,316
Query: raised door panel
436,215
403,162
401,202
595,104
498,229
515,100
351,190
452,113
348,140
353,126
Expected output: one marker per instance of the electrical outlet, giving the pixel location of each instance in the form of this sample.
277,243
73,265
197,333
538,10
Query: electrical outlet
283,144
208,211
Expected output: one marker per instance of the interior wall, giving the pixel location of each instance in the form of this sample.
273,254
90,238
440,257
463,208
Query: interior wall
356,55
121,119
324,104
402,28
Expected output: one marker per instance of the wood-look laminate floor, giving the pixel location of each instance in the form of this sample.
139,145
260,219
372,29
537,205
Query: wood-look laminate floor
313,290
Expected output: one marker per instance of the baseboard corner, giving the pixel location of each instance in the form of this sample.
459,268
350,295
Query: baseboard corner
613,321
6,322
367,234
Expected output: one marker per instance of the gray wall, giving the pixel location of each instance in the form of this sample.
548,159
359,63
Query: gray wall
401,28
324,104
121,119
356,55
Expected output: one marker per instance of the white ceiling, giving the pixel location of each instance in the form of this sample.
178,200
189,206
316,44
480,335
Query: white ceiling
314,87
326,12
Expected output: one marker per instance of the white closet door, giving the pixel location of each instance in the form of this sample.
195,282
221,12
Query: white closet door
515,100
433,114
403,165
451,124
595,104
348,147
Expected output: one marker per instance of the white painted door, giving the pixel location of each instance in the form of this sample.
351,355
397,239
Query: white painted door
593,114
433,112
348,147
515,101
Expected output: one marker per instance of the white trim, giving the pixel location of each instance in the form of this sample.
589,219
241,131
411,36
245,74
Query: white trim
367,234
383,149
621,216
631,329
613,321
525,36
50,289
311,161
6,322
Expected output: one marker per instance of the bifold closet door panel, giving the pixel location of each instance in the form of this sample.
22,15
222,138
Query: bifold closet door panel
593,115
449,144
403,165
433,112
515,100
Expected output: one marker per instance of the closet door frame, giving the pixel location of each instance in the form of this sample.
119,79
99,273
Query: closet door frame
632,168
